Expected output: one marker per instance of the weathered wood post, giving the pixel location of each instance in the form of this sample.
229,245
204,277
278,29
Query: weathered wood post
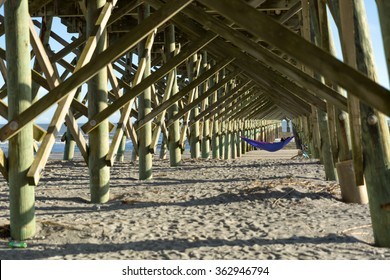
194,129
22,197
174,129
99,172
375,136
205,145
228,133
144,108
120,155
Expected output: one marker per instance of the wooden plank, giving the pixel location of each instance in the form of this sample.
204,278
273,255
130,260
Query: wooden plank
124,44
155,76
262,26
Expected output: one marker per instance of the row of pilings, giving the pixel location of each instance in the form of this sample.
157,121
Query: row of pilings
219,105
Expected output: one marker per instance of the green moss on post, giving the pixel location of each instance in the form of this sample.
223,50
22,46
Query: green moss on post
22,198
99,172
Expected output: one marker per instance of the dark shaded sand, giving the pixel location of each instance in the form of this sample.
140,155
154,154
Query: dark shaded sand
261,206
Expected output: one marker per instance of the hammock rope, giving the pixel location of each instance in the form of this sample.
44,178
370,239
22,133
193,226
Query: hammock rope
270,147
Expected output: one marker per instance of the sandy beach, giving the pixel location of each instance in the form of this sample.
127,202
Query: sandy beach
260,206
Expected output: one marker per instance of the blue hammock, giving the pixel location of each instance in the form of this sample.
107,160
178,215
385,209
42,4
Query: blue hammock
270,147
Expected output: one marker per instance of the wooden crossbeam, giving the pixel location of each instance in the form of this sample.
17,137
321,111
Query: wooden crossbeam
3,164
123,45
68,49
38,132
38,78
320,61
202,78
147,82
160,118
3,70
203,96
124,10
272,60
192,74
125,115
221,48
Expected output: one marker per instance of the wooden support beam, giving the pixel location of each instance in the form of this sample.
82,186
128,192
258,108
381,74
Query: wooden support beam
226,99
375,136
154,77
271,59
346,16
68,49
384,12
202,78
125,114
205,95
38,132
144,108
20,152
160,118
193,67
132,5
124,44
99,172
3,164
61,112
262,26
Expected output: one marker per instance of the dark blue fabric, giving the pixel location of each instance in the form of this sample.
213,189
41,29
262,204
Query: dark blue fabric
270,147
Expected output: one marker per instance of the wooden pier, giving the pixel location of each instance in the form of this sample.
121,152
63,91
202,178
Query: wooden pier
199,72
